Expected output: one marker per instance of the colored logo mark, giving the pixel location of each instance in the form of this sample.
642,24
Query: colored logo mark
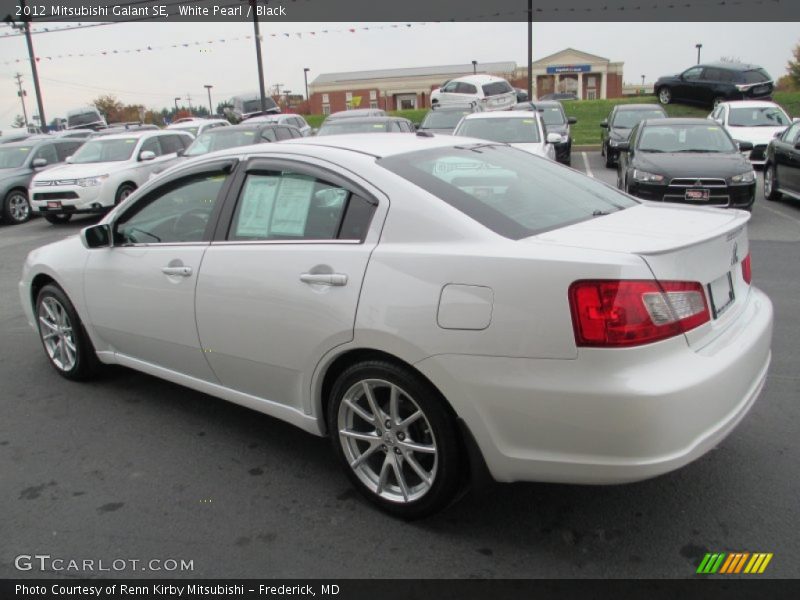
733,563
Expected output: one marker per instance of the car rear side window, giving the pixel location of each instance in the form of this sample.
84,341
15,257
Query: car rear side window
466,88
171,143
66,149
496,88
284,205
507,190
755,76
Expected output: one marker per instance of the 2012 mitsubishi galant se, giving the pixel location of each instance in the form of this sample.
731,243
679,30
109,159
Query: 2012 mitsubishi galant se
432,304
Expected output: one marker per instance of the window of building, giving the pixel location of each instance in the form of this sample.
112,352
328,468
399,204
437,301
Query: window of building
591,81
591,94
348,96
373,94
325,99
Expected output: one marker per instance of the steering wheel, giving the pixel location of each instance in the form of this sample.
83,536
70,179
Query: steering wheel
191,225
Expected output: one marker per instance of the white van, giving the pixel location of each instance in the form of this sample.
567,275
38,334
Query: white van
86,117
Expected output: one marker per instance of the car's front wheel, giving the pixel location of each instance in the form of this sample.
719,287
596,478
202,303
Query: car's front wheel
125,190
396,439
16,208
771,183
664,95
65,342
58,219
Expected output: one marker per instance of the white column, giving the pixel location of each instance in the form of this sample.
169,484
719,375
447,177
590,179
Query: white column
580,86
604,84
556,82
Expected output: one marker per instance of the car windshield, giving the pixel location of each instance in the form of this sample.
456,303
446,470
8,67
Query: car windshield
12,157
443,119
627,119
552,115
685,138
251,106
101,150
81,119
509,191
496,88
509,130
193,129
760,116
340,126
756,76
221,138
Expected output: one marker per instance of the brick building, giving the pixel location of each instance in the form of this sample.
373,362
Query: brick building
390,89
590,77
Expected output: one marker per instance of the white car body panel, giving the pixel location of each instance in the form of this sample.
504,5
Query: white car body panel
538,406
758,136
489,103
541,148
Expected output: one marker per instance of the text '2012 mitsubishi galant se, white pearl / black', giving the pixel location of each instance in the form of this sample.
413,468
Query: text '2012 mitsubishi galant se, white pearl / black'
434,305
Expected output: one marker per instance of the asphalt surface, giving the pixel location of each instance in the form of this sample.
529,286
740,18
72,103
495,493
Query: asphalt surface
132,467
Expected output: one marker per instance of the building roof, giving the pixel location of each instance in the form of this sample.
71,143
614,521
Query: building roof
444,71
570,53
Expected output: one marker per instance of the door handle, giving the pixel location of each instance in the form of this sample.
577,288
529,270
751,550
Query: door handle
179,271
324,278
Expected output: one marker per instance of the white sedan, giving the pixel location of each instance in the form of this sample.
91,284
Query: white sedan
754,121
521,129
432,304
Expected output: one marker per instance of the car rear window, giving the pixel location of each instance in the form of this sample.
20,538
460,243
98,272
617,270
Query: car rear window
496,88
443,119
509,130
507,190
626,119
755,76
351,126
552,115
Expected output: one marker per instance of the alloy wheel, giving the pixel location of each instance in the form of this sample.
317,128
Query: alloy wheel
664,96
387,440
57,334
18,207
768,181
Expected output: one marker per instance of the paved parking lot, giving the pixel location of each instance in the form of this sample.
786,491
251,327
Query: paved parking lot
132,467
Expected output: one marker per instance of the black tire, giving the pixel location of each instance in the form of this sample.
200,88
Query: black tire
771,183
58,219
125,190
16,207
435,428
53,306
609,159
664,95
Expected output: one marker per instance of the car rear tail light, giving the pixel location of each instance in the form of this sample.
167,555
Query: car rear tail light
747,270
612,313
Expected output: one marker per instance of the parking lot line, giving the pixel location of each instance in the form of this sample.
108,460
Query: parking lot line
780,214
586,165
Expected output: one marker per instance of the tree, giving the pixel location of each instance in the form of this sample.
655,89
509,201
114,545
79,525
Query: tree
793,66
109,106
786,84
18,121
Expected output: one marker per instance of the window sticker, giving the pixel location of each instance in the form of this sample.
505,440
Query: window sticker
292,205
257,204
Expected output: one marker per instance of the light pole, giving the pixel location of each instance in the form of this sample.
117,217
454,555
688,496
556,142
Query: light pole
208,89
176,105
474,67
530,49
286,95
305,79
698,46
259,62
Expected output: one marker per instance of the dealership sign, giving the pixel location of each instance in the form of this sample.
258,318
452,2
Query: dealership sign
569,69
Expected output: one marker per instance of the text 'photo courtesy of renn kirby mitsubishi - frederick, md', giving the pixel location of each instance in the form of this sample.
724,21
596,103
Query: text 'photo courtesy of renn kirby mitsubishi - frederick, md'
308,298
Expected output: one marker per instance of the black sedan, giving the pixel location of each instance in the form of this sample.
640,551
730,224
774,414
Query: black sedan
443,119
555,121
690,161
782,169
617,127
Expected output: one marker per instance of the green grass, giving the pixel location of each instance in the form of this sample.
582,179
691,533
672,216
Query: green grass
589,113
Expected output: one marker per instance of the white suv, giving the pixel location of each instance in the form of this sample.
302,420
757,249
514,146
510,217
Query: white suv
197,126
491,93
102,173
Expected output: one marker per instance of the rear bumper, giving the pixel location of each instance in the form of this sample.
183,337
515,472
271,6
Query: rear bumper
610,416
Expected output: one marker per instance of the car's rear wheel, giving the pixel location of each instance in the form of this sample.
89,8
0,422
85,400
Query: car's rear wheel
771,183
58,219
65,342
664,95
396,438
16,208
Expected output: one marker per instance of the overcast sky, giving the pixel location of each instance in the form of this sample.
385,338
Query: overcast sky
156,78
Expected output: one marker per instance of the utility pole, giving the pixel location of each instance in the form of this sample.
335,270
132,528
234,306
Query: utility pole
305,78
278,87
210,109
698,46
530,49
22,93
176,104
26,27
253,6
189,100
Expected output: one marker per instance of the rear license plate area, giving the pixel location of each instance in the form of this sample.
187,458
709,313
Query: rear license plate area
53,204
721,293
762,89
698,194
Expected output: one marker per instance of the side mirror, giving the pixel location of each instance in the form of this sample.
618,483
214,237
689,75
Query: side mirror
147,155
97,236
38,163
554,138
572,120
68,159
604,123
624,146
745,146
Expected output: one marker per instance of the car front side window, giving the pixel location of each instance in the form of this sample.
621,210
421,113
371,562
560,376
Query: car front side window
177,212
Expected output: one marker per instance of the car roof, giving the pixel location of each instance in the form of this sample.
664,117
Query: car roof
680,121
22,143
478,78
504,114
638,107
139,133
731,66
751,104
